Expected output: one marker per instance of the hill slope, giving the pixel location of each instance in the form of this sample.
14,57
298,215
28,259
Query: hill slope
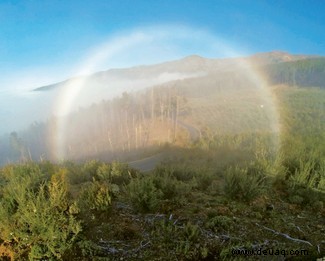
217,94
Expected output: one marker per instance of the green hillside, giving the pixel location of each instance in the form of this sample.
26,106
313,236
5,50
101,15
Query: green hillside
223,100
307,72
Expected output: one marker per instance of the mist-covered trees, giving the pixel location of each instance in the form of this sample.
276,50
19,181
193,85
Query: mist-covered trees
122,128
17,144
309,72
108,129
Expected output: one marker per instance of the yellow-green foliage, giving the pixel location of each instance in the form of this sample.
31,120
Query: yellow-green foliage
95,196
34,214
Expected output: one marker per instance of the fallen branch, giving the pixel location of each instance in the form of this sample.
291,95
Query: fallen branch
285,235
141,246
300,229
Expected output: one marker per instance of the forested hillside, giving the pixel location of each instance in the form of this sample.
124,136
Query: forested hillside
307,72
129,126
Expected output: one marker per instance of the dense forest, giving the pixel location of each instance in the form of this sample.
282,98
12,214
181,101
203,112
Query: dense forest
228,184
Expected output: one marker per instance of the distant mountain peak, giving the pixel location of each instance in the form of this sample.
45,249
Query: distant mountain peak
194,57
194,61
277,56
282,55
278,52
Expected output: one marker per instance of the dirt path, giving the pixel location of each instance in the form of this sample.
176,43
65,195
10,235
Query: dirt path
147,164
193,131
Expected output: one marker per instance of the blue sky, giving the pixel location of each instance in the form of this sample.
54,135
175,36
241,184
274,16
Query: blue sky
47,40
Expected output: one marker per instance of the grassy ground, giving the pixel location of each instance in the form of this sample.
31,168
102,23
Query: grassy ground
98,211
223,197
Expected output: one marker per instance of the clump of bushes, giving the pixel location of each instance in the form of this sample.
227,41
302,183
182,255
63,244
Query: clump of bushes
170,186
115,172
243,184
310,174
179,241
219,223
182,173
143,194
41,203
147,192
35,217
304,182
204,179
95,196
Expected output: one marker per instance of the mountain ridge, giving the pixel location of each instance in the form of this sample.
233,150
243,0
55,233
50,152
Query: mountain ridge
187,65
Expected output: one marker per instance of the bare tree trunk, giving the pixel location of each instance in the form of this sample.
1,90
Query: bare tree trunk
169,105
140,140
30,155
152,106
176,117
109,140
128,137
136,137
161,108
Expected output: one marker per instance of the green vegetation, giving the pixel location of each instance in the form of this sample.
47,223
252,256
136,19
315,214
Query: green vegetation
53,212
37,215
241,184
308,72
222,193
236,186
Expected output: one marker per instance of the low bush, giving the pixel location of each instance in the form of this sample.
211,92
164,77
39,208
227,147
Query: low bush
306,185
167,184
305,196
243,185
95,196
90,167
143,194
181,242
219,223
115,173
170,187
180,173
204,179
35,219
26,175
